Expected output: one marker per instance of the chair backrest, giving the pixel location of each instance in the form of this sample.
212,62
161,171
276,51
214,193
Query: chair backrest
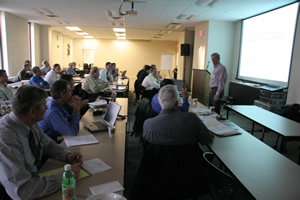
170,172
222,185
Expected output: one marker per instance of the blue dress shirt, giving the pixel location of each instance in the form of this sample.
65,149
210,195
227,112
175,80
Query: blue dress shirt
39,82
70,71
157,108
57,120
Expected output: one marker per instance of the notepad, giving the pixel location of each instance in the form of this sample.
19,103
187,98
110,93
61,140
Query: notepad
82,174
80,140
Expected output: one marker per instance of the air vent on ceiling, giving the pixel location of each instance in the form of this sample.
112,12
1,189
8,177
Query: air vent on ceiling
173,25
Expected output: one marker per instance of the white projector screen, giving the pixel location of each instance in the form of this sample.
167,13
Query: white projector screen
267,45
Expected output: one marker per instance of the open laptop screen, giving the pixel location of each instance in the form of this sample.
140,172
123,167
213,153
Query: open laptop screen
178,83
111,113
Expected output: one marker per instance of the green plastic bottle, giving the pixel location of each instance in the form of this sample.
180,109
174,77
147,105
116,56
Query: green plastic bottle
68,184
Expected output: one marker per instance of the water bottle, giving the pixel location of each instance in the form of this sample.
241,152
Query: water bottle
68,184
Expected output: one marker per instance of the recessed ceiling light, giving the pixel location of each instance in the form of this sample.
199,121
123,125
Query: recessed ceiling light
82,33
121,38
51,16
119,30
121,34
191,17
73,28
203,2
180,17
89,36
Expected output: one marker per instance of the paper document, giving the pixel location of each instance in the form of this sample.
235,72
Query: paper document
106,188
218,128
80,140
199,110
205,117
95,166
97,104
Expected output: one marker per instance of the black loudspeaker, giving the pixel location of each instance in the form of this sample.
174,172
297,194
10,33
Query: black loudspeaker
185,50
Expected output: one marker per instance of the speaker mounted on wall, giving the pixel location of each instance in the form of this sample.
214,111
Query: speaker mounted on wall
185,50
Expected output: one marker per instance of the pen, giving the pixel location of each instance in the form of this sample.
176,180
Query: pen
77,159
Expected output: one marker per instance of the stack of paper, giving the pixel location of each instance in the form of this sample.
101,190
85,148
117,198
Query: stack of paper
97,104
80,140
218,128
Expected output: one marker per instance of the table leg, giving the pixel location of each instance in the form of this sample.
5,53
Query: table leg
253,123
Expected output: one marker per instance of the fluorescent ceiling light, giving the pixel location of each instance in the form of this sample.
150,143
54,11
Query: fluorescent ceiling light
121,34
121,38
180,17
191,17
82,33
203,2
73,28
119,30
214,3
89,36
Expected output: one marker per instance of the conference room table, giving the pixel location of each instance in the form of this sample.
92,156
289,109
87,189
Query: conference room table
111,150
286,128
264,172
19,83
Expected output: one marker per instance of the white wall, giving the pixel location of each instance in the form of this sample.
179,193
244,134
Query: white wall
128,55
17,43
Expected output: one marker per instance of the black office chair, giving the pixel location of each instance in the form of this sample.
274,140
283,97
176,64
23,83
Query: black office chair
222,185
170,172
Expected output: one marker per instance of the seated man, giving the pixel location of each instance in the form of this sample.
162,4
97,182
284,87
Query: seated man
151,84
57,120
37,80
105,75
6,91
156,105
25,73
93,85
53,74
22,145
46,67
70,69
172,127
84,102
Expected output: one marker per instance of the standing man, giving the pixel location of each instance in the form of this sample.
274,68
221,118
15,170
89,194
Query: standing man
46,67
37,80
6,91
57,120
22,145
105,75
217,82
53,74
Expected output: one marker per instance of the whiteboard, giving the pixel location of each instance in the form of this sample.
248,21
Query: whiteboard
166,62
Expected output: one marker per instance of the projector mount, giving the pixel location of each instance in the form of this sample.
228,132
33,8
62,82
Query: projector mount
131,12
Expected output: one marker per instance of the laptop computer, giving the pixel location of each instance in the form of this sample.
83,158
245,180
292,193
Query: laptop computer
109,119
178,83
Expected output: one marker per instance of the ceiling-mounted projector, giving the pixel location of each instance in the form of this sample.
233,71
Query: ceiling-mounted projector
131,13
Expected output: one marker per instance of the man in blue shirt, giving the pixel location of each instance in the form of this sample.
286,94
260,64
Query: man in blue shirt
37,80
70,69
46,67
156,105
57,120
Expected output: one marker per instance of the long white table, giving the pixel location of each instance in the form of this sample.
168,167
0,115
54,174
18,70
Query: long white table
288,129
111,150
264,172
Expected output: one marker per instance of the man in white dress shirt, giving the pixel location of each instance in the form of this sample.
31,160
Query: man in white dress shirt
53,74
151,84
105,75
